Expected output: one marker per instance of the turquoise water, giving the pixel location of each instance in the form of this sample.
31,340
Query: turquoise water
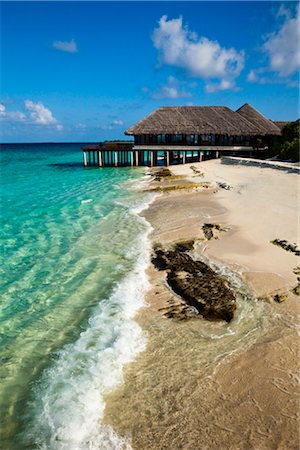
73,260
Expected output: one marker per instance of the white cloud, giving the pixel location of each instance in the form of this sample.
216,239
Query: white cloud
252,76
112,125
39,114
224,85
117,123
198,56
283,46
171,89
14,116
66,46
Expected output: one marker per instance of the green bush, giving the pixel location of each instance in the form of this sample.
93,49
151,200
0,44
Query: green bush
286,146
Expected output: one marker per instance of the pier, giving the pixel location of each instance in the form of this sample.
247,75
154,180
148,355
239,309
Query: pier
126,154
120,155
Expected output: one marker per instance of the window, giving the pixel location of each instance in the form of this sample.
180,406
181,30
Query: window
161,138
192,139
177,138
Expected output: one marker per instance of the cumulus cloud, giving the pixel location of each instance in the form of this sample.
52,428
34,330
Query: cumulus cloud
283,46
171,90
198,56
41,115
66,46
14,116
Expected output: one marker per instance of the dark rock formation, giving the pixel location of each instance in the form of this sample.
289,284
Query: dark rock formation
196,283
208,229
286,246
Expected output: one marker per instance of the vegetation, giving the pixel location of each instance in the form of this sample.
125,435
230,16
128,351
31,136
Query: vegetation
286,147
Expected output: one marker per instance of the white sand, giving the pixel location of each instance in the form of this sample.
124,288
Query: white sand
262,205
242,391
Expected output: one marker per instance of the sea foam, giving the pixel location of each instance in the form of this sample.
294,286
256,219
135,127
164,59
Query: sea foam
69,400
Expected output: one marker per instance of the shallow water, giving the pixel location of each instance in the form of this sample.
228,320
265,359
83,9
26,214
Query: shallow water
73,260
173,396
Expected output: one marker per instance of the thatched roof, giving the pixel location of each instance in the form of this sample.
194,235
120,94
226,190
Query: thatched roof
201,120
258,120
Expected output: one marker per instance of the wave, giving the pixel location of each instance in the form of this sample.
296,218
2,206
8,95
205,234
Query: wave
69,400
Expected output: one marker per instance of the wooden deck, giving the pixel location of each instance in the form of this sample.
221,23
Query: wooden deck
124,154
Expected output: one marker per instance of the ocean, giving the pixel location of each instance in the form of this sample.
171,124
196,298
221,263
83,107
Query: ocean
73,276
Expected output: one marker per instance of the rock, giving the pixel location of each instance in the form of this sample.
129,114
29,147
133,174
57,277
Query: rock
280,298
208,230
286,246
296,290
224,186
196,283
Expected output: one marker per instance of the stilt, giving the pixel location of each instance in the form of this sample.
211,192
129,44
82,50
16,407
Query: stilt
136,158
89,163
151,159
84,159
217,154
116,158
183,157
200,157
100,159
168,158
131,158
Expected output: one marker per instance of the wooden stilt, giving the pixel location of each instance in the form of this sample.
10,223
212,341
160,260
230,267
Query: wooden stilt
168,158
151,159
136,158
100,159
116,158
200,157
183,157
84,159
217,154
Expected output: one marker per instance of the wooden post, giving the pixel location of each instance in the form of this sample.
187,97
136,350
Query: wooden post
200,157
100,158
183,157
168,158
136,158
116,158
84,159
217,154
151,159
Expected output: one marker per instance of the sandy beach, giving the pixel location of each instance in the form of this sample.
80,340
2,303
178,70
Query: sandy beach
210,384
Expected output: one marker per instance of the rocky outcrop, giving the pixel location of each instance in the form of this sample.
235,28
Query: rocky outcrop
195,282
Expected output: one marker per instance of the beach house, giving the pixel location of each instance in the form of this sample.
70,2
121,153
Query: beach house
181,134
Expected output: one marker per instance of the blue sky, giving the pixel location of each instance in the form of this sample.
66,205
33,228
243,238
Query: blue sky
86,71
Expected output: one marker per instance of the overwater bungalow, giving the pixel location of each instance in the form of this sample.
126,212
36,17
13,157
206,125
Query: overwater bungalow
181,134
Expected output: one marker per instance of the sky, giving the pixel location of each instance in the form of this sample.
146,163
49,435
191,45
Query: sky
86,71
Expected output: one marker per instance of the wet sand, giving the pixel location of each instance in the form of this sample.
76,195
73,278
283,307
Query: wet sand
212,385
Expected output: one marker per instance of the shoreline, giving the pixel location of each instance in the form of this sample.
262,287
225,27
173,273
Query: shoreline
208,385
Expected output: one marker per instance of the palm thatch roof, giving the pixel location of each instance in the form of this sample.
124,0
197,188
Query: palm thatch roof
202,120
258,120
